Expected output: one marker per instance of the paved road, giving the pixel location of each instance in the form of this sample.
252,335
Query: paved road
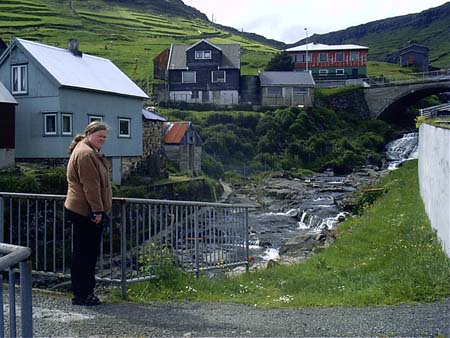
54,316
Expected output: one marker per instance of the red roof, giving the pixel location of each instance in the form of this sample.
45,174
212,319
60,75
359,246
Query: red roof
175,132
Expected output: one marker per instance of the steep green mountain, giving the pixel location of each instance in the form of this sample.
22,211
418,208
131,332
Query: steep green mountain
384,38
129,32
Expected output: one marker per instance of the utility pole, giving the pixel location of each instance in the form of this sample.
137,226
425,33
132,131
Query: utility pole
306,60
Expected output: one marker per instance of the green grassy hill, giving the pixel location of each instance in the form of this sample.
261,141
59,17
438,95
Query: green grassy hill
130,33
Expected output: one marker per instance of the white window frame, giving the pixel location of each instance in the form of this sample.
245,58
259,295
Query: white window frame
183,80
354,56
219,78
19,79
321,55
340,71
55,124
63,117
323,72
128,133
92,118
336,56
203,54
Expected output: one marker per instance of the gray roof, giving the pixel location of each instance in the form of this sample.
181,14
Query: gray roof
231,55
86,72
5,95
286,78
149,115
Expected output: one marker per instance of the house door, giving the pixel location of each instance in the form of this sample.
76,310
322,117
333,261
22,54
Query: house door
354,72
205,96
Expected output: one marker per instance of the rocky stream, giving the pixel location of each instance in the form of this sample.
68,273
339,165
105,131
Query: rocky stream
295,217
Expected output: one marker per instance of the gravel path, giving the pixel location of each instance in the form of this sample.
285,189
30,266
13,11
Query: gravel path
54,316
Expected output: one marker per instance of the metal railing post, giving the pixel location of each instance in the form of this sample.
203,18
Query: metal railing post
123,250
247,244
2,316
26,299
196,242
2,218
12,304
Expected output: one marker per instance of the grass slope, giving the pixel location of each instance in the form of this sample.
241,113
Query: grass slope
389,255
129,36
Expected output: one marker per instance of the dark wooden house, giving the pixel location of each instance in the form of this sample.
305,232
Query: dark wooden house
414,55
7,127
202,72
183,146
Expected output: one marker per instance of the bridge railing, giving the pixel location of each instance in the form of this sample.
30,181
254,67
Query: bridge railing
432,76
11,256
434,111
141,235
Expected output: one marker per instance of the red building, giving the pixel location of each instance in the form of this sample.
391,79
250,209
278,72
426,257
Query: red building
331,61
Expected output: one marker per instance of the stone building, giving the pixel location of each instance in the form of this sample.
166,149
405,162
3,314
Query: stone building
183,146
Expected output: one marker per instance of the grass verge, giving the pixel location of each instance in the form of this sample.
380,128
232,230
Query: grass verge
389,255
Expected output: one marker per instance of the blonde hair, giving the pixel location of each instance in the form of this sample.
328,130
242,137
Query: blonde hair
90,129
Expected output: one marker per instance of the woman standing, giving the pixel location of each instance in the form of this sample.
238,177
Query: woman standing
88,201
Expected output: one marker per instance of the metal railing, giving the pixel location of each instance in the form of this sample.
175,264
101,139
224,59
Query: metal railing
431,112
11,256
142,235
432,76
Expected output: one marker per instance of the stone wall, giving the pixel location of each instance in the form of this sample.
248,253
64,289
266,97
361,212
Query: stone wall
434,179
152,160
350,100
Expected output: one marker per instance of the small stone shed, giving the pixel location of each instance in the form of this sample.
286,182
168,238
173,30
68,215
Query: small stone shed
183,146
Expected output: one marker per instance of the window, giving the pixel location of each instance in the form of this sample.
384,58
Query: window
93,118
302,57
124,127
218,76
300,90
340,72
19,79
323,57
354,56
202,54
339,57
50,124
323,72
188,77
274,91
66,124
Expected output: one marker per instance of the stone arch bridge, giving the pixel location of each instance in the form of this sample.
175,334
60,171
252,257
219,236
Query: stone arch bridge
385,97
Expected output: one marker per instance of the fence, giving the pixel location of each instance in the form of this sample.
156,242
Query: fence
432,76
434,111
12,255
141,235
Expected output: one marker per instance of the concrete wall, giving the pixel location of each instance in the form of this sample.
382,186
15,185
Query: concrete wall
434,179
7,158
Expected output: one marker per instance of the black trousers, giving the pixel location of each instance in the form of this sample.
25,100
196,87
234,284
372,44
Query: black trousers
86,247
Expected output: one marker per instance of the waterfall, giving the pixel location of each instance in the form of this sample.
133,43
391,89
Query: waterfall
402,149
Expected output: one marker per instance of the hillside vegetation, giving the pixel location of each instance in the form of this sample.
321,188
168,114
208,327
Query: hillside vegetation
130,33
386,37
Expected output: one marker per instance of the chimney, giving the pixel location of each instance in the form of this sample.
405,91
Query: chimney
72,46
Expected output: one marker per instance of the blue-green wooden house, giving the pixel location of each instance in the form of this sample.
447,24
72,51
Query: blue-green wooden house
59,91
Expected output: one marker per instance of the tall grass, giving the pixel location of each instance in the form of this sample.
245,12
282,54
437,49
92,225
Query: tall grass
389,255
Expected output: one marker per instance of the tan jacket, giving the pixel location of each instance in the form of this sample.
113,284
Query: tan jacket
89,187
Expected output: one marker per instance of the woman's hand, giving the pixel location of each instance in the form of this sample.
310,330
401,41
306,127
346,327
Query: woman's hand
97,218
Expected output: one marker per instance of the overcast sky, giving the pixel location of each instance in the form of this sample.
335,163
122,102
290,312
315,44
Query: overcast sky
286,20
